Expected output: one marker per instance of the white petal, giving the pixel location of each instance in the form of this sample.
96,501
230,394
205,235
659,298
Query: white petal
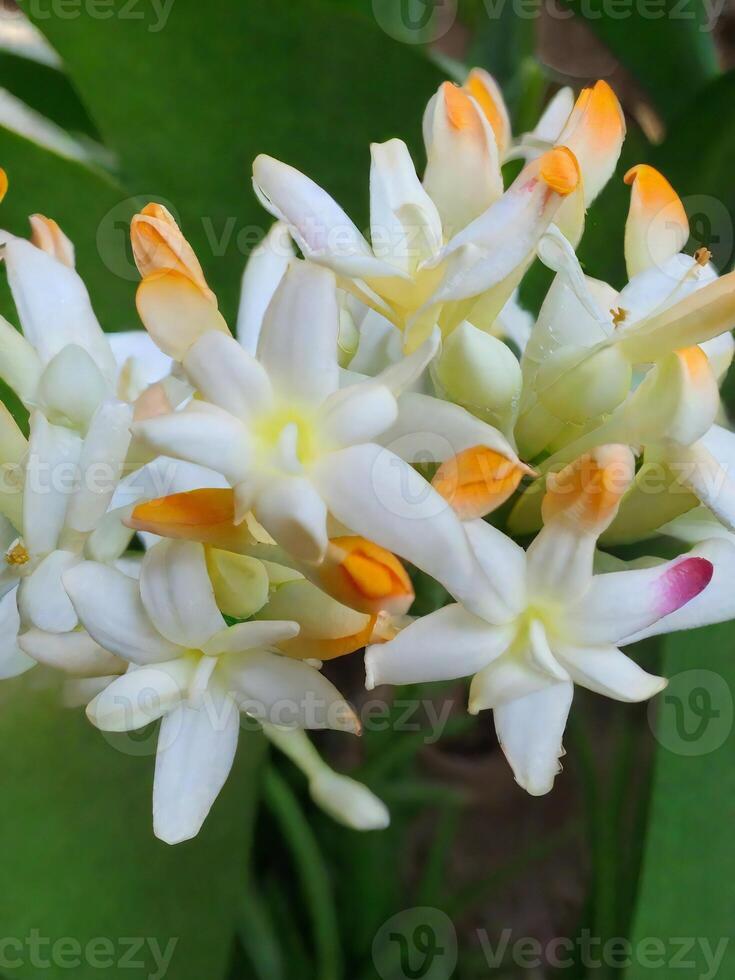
202,434
75,653
177,594
715,604
51,472
619,604
606,670
405,226
374,493
227,376
151,362
442,646
463,169
554,116
507,679
502,560
71,387
140,696
358,414
530,733
109,607
708,469
294,514
13,660
287,692
196,749
53,305
429,429
100,464
20,365
42,598
317,223
408,369
247,636
298,342
265,268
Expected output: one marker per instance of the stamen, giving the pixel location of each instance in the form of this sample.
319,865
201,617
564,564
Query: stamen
618,315
17,554
702,256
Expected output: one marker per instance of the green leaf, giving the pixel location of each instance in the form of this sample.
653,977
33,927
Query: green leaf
697,159
91,208
688,882
47,90
80,861
205,94
666,44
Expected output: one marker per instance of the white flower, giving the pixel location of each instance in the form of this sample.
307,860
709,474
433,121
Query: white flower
552,622
295,447
188,668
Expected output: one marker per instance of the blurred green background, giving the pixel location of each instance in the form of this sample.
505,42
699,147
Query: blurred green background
171,100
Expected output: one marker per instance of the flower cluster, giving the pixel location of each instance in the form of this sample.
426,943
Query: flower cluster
199,519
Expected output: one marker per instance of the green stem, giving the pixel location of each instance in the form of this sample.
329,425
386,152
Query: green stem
312,872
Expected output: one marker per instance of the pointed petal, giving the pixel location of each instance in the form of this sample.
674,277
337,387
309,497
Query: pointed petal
357,414
374,493
606,670
101,463
581,501
444,645
249,636
140,696
405,227
462,173
298,342
594,133
177,594
202,434
76,653
51,471
288,692
501,241
619,604
53,305
263,272
294,514
429,429
657,225
317,223
530,732
20,365
483,88
700,316
196,749
714,604
109,607
227,376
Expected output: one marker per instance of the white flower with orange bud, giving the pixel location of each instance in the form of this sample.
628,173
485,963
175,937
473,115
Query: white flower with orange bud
550,623
355,572
413,273
583,365
187,667
295,447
